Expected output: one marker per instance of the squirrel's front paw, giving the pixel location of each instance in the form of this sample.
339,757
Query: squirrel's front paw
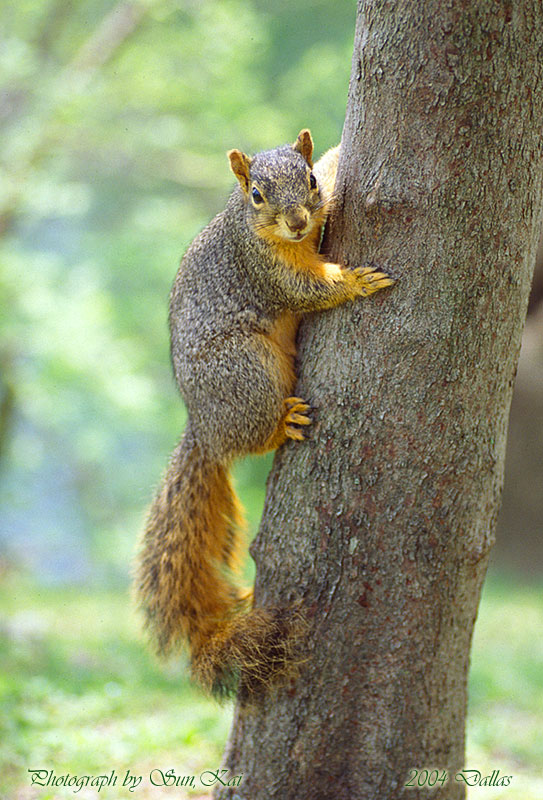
370,280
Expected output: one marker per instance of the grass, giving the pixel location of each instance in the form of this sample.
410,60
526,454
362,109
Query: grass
81,695
505,721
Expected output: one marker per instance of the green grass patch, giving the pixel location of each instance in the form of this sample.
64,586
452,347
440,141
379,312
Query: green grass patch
505,719
81,694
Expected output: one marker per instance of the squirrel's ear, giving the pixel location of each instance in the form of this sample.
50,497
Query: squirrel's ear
304,145
240,165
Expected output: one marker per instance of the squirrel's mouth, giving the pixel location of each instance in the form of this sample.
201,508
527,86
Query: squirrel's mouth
295,226
295,235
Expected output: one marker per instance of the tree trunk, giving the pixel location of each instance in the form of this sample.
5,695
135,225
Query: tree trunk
383,521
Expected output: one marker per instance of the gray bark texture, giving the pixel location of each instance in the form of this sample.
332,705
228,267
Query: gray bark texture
383,520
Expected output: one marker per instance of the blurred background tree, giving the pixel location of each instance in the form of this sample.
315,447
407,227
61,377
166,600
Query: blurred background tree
115,119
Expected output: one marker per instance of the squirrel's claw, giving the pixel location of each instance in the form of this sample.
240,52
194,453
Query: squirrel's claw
290,402
298,419
294,433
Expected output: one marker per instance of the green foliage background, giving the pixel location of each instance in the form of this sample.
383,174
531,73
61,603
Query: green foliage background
115,119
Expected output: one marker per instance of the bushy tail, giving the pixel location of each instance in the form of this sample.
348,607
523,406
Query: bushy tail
186,582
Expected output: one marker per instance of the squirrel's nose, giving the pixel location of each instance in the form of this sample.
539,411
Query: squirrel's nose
296,222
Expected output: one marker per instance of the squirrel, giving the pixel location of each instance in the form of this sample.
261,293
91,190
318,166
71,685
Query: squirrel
235,305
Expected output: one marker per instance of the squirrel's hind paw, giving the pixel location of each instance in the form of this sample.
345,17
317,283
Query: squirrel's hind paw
295,414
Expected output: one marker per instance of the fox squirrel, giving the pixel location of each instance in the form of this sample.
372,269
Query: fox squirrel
234,311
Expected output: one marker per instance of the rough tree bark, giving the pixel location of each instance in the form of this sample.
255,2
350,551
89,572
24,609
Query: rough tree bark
383,521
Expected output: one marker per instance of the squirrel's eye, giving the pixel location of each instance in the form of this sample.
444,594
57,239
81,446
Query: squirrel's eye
312,181
257,197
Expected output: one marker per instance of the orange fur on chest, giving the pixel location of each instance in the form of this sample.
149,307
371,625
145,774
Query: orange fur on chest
302,256
282,338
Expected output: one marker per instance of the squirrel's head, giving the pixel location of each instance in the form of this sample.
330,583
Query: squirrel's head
282,196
